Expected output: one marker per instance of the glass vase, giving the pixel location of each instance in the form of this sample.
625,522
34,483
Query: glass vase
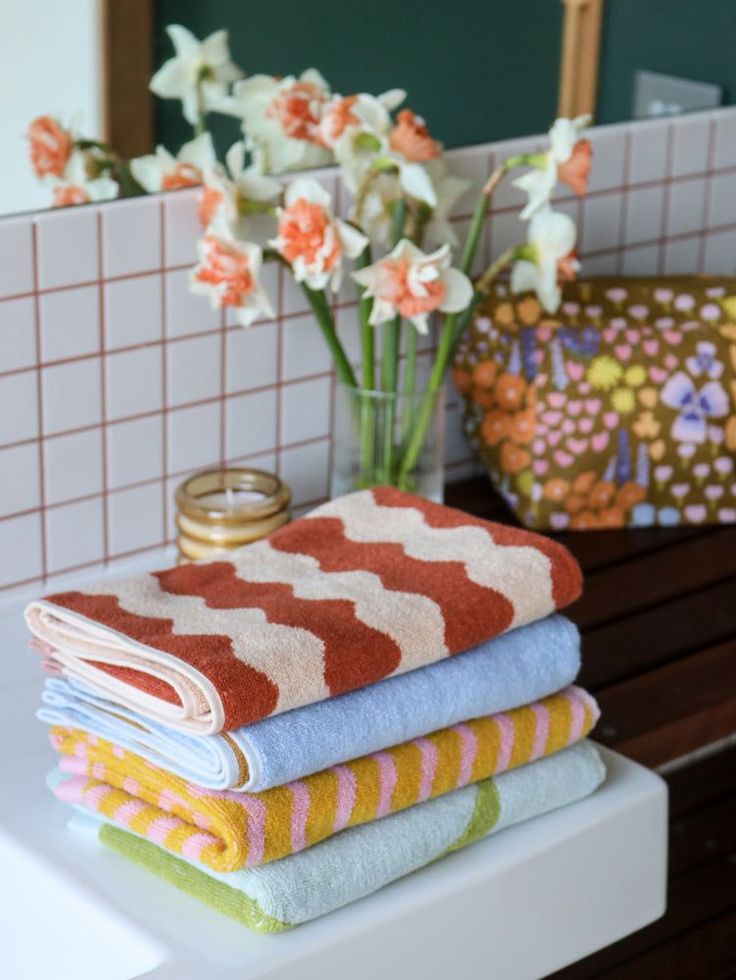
384,438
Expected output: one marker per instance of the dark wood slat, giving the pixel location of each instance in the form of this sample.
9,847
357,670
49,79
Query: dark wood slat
639,583
706,953
693,900
702,783
702,836
660,635
127,33
599,549
667,713
478,497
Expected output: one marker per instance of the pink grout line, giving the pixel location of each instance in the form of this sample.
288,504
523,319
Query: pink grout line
152,481
666,205
39,409
164,382
103,392
223,388
279,365
623,230
708,195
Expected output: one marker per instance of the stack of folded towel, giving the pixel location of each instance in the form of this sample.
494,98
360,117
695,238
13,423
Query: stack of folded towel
326,711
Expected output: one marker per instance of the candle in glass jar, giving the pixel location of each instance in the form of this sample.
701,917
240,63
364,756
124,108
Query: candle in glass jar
218,510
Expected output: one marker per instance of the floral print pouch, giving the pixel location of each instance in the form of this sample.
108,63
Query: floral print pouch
620,411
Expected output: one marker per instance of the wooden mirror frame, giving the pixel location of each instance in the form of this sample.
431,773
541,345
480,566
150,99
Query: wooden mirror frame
127,65
580,62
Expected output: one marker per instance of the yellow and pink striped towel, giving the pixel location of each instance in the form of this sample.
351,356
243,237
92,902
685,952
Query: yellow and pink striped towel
228,830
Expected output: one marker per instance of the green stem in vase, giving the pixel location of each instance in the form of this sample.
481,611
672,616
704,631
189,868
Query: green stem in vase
452,330
390,346
410,384
367,333
323,314
366,416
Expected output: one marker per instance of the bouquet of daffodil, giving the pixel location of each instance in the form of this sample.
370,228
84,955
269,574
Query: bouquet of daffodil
406,261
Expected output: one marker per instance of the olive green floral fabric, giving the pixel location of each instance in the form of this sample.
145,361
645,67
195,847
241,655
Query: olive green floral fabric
620,411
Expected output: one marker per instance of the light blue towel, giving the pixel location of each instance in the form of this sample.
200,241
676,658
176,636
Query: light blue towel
523,665
360,860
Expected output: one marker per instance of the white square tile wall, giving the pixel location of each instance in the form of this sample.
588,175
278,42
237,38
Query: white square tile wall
116,382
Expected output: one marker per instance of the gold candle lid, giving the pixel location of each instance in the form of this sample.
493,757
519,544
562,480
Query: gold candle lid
232,496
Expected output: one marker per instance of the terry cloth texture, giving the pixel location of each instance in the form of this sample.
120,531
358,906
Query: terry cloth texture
521,666
228,830
369,585
359,861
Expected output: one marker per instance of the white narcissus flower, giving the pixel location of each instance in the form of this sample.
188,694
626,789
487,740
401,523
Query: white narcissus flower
361,113
199,73
412,284
161,171
232,189
228,273
377,207
75,186
311,239
449,189
280,119
549,257
568,159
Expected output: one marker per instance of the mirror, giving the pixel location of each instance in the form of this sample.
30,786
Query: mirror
475,72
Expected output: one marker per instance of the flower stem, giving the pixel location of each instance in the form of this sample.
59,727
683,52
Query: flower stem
366,419
410,384
483,285
367,334
321,309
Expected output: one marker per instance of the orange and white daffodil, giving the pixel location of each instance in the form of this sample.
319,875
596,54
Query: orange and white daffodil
228,272
412,284
76,186
448,189
50,146
281,117
547,259
235,190
345,118
568,159
376,206
161,171
311,239
199,73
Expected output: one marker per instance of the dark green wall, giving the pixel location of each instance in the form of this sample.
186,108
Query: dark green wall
691,38
477,70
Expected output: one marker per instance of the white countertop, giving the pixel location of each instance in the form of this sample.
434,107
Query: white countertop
516,906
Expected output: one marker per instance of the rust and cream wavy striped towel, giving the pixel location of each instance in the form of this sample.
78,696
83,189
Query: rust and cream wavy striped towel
366,586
